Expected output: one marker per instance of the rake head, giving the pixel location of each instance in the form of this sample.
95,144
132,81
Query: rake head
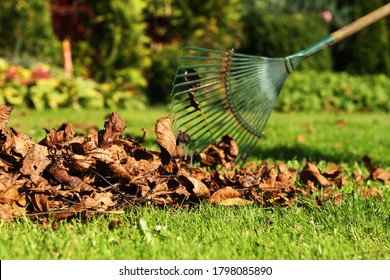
217,93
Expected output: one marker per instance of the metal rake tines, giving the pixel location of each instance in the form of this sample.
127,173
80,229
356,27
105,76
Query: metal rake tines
217,93
253,85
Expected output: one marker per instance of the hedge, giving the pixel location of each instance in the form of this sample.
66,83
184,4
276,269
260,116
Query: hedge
334,91
280,35
36,88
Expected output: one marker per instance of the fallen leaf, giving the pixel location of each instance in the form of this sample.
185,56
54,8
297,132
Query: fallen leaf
224,194
381,175
372,192
341,122
70,182
21,143
376,173
112,129
193,185
225,152
5,113
165,139
99,201
300,139
35,161
312,173
59,137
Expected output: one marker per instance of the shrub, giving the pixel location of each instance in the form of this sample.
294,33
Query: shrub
368,51
279,35
210,24
36,88
119,40
317,91
161,74
26,31
108,38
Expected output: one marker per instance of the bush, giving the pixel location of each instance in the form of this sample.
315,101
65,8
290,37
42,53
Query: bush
108,39
210,24
280,35
317,91
368,51
119,41
161,74
37,88
26,31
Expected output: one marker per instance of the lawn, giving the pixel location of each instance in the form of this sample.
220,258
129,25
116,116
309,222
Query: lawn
356,229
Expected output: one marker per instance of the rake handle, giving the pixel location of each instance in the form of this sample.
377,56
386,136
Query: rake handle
361,23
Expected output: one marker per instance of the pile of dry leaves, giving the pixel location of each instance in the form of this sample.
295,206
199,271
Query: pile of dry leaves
66,174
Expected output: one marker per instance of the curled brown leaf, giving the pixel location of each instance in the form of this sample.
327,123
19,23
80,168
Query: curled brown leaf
5,113
224,194
70,182
112,129
165,139
311,172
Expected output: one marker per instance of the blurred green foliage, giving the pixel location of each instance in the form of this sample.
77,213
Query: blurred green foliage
26,32
210,24
273,35
313,91
36,88
369,50
119,40
162,71
135,44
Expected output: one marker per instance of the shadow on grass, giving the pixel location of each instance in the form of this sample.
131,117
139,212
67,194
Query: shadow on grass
304,153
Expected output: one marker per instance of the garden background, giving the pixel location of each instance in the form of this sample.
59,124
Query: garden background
125,52
332,111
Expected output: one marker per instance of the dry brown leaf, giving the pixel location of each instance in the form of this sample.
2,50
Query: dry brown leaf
341,122
358,177
224,194
200,174
225,152
249,180
80,163
381,175
372,192
158,190
311,172
5,113
376,173
10,211
193,185
112,129
230,146
165,139
21,142
35,161
6,142
59,137
99,201
8,192
334,173
300,139
70,182
207,159
40,202
120,171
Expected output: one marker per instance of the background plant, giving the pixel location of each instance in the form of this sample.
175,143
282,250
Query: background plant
26,32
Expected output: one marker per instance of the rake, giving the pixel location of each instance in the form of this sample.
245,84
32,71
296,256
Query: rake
222,92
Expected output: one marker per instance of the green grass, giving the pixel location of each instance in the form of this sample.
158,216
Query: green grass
357,229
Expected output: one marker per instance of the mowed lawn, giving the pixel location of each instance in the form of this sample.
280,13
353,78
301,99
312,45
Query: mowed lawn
357,229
